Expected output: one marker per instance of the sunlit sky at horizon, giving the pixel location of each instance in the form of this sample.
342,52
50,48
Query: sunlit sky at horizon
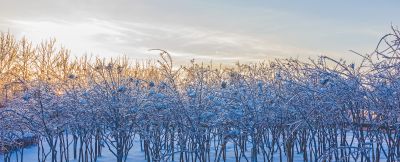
223,31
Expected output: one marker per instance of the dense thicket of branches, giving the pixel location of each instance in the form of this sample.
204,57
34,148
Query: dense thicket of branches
324,109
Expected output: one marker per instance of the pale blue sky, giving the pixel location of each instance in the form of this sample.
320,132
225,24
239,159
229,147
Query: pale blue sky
223,30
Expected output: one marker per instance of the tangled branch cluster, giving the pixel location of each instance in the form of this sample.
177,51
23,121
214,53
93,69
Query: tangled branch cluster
325,109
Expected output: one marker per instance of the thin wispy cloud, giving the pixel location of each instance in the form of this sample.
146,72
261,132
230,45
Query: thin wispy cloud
111,38
203,30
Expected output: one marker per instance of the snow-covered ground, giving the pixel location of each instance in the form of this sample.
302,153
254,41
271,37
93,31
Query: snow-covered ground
136,155
30,154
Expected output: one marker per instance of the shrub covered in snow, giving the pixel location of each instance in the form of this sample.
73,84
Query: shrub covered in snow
325,109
